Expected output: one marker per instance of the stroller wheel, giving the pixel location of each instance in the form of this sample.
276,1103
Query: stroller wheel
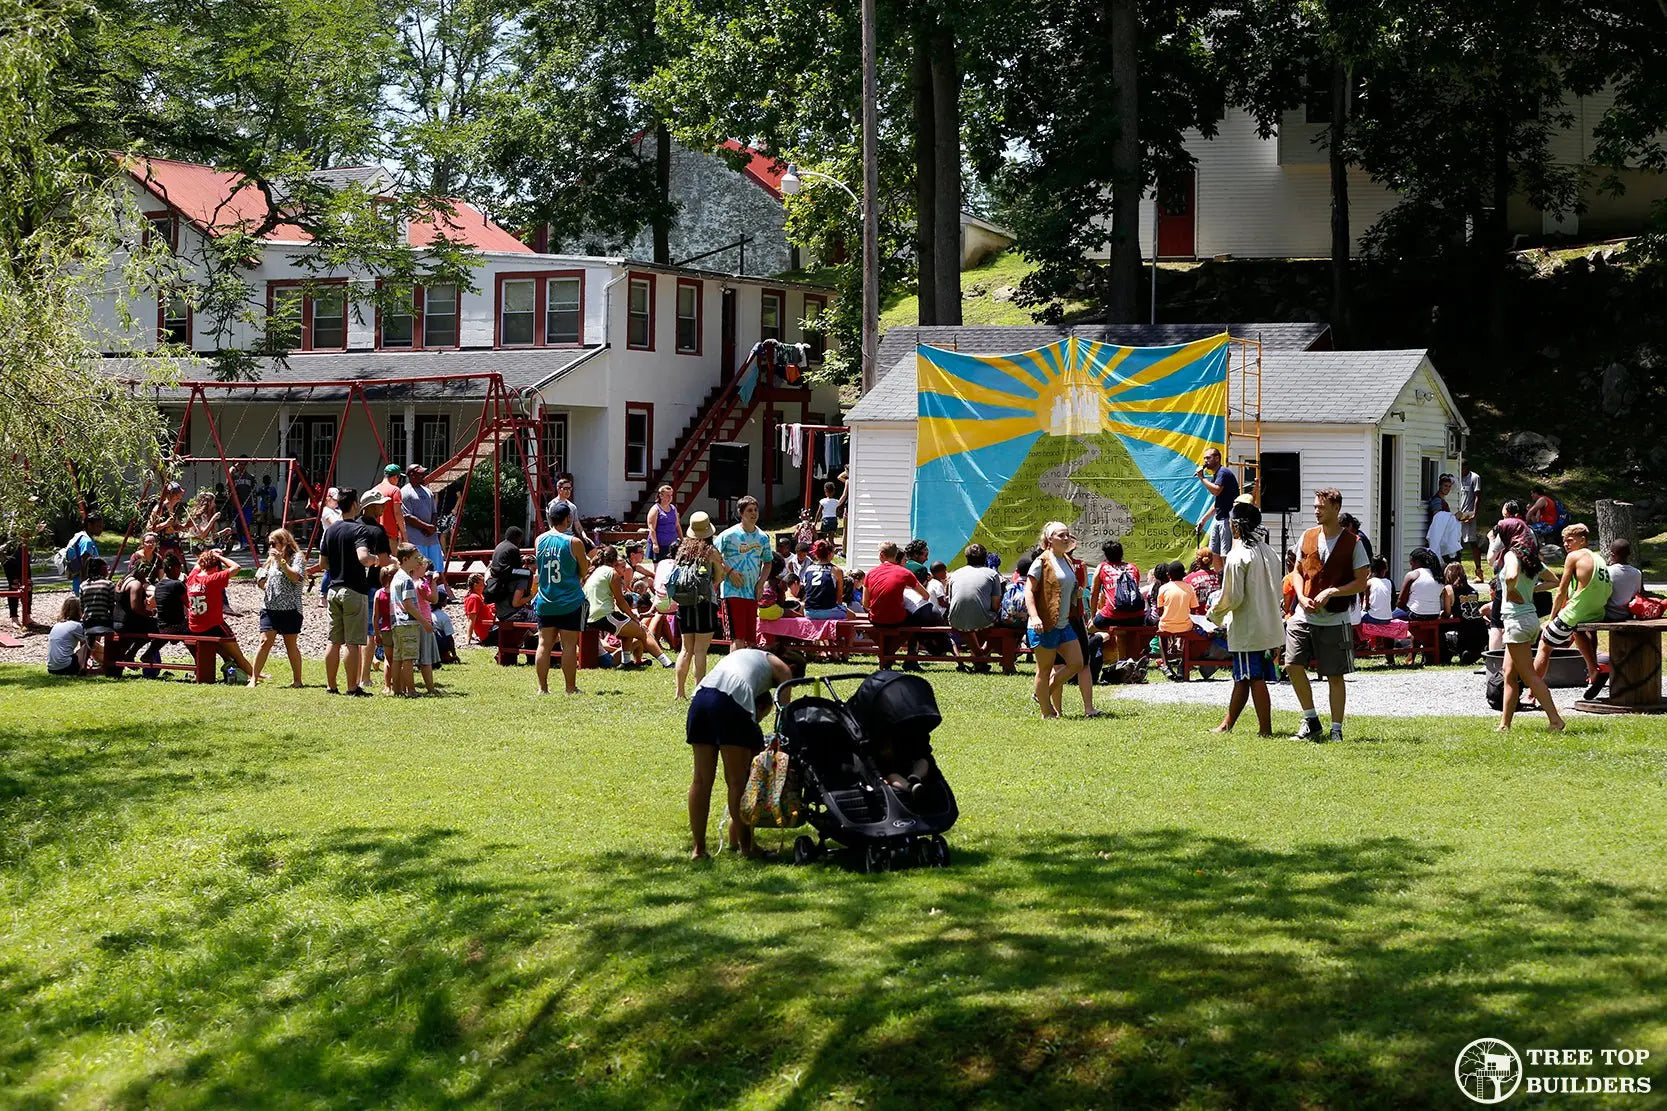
876,859
923,852
940,852
804,850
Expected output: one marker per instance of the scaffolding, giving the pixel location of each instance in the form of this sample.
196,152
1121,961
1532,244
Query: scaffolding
1244,412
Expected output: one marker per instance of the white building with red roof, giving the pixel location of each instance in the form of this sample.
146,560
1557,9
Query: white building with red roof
629,368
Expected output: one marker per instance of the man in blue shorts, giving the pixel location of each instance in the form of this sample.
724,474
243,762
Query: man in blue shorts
1249,608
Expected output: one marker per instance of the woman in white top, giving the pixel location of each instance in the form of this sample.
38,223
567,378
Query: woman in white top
1424,596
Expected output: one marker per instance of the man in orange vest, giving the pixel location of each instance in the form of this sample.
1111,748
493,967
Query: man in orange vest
1331,570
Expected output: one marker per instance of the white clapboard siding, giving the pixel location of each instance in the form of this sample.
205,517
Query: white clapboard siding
1252,206
1330,455
881,488
1424,436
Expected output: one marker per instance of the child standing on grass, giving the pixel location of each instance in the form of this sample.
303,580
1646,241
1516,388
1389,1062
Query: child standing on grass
382,615
428,641
408,622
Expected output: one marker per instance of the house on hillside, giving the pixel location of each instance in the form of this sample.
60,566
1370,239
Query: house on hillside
718,205
626,367
1255,197
1380,426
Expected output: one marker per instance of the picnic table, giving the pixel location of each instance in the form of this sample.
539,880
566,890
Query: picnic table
1634,666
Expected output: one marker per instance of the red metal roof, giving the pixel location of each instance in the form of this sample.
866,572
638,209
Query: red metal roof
216,200
762,168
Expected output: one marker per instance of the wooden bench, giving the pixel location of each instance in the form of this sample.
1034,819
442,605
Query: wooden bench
891,641
1192,647
1427,636
513,646
205,653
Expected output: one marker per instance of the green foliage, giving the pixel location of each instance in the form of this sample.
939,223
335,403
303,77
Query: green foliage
224,898
475,530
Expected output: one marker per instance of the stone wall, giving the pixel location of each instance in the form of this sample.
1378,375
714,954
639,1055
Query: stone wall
717,205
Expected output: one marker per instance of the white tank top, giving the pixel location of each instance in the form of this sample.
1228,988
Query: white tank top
1425,596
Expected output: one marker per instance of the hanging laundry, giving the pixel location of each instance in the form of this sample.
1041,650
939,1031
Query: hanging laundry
796,449
833,451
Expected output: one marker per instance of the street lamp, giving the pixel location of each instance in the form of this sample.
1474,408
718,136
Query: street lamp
792,186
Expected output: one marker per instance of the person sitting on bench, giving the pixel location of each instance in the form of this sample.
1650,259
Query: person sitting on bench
205,593
895,598
1424,596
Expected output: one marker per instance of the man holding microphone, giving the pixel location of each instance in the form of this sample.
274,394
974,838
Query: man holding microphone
1223,483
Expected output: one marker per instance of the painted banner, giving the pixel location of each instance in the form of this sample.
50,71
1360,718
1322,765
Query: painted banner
1107,439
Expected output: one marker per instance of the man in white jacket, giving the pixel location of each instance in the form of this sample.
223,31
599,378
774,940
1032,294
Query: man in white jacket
1249,608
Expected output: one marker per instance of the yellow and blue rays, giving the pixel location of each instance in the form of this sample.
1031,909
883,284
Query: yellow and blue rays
980,415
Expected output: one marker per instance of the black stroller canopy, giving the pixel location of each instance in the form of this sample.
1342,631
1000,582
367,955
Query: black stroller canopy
889,700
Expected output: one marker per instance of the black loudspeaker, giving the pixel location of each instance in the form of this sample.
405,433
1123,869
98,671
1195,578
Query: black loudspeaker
1280,474
727,467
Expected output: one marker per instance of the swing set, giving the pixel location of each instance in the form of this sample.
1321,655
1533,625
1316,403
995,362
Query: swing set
508,420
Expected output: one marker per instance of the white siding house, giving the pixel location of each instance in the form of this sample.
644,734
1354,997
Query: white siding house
1271,198
613,357
1345,413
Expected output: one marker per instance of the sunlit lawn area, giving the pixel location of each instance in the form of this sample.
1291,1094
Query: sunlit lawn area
218,898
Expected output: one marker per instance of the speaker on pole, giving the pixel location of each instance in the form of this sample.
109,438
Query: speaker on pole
727,467
1280,476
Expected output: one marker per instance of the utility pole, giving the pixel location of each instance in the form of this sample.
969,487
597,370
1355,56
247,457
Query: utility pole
870,202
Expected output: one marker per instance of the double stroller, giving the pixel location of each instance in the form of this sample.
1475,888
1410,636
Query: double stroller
851,755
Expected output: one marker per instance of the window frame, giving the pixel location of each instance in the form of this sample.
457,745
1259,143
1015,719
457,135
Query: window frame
818,346
781,315
426,421
646,409
151,219
548,284
540,280
396,423
418,295
304,344
162,298
699,318
632,277
551,421
456,314
307,425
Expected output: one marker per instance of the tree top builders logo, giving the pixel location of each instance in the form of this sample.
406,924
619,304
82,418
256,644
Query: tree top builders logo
1490,1071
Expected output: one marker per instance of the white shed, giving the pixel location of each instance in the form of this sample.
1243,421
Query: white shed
1380,426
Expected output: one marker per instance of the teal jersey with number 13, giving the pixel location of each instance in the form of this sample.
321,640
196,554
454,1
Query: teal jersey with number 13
559,588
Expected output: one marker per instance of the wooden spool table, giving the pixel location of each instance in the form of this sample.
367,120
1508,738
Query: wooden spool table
1634,666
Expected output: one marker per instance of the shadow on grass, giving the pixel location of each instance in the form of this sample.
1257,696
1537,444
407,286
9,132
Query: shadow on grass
1149,969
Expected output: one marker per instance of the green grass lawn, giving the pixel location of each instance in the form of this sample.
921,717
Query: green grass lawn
216,898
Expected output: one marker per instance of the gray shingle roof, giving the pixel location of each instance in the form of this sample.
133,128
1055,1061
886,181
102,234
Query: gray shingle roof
1002,339
1298,387
520,369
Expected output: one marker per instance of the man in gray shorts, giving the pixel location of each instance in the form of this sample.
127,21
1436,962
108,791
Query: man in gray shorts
1331,569
347,551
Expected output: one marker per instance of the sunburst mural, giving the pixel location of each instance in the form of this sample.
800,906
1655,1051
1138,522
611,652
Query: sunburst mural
1107,438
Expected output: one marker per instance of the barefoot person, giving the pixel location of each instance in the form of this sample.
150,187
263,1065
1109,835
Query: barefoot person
1520,570
281,578
1331,569
723,724
1582,596
562,568
1048,606
1249,607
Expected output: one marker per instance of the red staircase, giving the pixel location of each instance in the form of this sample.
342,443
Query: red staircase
720,419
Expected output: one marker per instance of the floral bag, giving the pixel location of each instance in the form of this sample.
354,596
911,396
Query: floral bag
771,799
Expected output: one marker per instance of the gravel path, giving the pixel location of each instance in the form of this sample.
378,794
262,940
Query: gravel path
1379,692
245,597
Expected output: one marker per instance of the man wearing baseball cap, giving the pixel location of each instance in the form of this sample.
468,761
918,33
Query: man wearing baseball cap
393,516
419,510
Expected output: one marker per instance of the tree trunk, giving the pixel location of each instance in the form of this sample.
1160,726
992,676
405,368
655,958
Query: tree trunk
1342,242
1496,240
1616,522
926,179
946,212
662,189
1127,178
